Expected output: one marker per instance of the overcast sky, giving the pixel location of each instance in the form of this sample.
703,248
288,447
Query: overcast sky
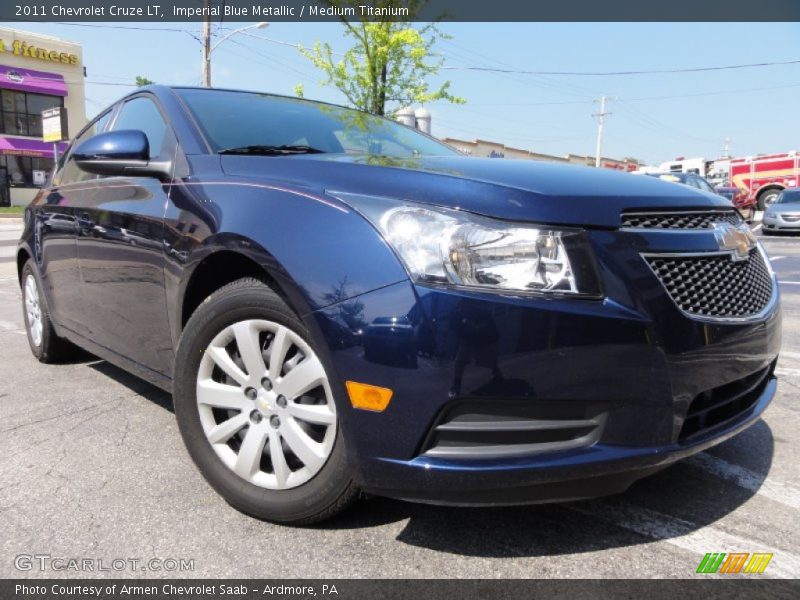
757,108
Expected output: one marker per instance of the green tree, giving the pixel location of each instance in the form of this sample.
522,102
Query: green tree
140,81
389,63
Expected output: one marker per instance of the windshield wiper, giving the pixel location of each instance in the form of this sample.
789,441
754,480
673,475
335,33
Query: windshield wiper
263,150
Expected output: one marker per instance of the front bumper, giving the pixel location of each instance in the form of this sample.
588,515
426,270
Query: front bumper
777,223
599,470
633,364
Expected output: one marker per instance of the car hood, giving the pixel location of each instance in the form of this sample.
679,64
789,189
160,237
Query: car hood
789,207
523,190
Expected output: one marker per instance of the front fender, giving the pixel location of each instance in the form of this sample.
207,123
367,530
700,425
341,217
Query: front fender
317,250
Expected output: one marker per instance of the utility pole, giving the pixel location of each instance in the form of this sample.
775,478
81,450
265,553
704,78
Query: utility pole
208,47
207,44
726,153
601,118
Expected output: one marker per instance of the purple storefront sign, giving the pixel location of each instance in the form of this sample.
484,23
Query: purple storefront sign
28,80
29,147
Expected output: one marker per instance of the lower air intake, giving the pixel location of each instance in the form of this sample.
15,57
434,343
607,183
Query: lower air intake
722,404
476,429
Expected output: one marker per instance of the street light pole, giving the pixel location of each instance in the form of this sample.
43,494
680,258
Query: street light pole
208,48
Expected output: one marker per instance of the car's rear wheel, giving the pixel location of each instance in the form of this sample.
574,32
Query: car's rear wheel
45,344
256,408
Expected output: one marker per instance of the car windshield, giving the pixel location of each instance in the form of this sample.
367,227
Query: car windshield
252,123
788,198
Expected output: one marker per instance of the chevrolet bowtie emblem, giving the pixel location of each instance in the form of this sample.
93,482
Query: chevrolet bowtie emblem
738,240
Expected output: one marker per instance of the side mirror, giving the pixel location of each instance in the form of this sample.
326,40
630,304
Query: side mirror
120,153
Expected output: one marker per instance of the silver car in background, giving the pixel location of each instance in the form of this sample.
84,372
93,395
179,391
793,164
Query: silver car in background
783,214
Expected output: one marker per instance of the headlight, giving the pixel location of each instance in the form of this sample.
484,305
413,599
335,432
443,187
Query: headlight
452,247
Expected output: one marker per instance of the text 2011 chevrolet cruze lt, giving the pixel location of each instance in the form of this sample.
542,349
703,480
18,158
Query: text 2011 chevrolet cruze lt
339,303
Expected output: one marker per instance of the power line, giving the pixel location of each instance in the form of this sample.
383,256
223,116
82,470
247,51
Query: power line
726,92
131,27
280,42
488,69
552,103
641,72
483,60
643,120
273,62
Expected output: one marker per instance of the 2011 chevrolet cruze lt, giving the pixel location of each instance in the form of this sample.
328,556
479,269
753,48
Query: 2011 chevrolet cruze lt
339,303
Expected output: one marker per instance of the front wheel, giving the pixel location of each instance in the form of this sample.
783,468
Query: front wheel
255,408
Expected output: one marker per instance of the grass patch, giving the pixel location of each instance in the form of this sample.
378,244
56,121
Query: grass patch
12,210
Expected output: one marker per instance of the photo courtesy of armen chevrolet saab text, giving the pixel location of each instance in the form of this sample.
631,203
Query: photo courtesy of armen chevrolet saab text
343,306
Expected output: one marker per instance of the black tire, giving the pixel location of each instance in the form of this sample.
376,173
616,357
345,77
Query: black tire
329,492
51,348
767,198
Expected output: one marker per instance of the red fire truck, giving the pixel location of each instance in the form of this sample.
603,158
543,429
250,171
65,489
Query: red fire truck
761,178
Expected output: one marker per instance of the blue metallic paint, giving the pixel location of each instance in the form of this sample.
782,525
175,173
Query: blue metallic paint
114,145
633,352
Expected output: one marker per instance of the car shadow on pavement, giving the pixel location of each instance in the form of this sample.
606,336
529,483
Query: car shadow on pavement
677,501
146,390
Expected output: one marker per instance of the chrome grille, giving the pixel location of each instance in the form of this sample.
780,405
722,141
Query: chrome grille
679,220
715,286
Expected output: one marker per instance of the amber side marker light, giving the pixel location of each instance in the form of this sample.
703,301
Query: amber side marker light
368,397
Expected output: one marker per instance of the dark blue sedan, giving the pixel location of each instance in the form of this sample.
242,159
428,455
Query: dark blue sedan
340,304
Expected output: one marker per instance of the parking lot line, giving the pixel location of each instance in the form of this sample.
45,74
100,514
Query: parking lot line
777,491
685,534
11,326
789,372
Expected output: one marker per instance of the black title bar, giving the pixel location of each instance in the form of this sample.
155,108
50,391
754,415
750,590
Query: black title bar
395,589
402,10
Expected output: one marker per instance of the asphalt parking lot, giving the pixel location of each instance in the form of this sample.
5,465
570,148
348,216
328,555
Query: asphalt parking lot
92,465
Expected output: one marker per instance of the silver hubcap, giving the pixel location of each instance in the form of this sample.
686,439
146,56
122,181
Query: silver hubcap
265,404
33,310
